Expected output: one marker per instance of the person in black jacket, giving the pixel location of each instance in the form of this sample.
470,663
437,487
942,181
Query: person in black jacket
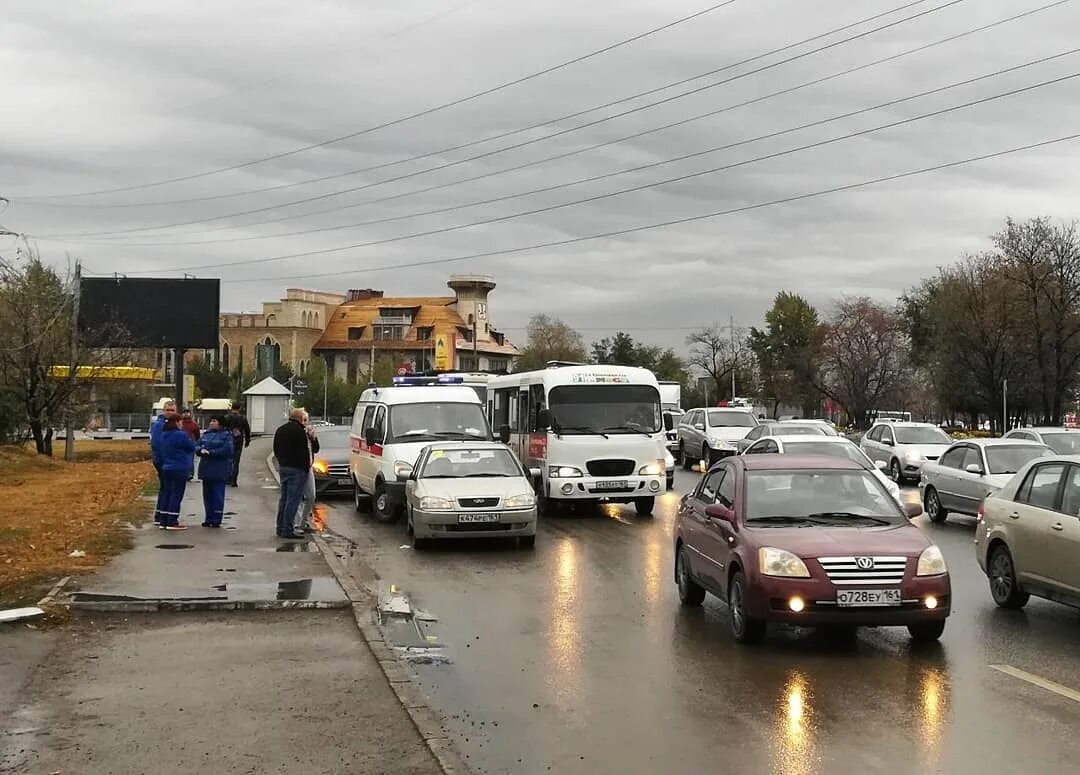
293,450
241,433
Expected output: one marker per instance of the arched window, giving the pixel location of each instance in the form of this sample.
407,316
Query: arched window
225,357
316,320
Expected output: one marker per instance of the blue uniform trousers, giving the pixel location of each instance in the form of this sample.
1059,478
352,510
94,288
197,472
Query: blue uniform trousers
173,484
213,496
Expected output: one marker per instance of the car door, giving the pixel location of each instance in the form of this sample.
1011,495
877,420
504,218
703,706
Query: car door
945,477
762,447
697,539
971,487
717,534
873,445
1063,540
1034,511
754,434
365,466
688,432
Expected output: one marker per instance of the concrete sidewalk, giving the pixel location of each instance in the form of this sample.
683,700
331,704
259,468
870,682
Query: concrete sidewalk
237,692
241,565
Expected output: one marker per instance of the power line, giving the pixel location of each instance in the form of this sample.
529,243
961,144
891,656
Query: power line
409,117
645,186
617,173
522,144
665,224
510,133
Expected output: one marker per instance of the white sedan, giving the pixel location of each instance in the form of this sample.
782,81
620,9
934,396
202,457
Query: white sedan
829,446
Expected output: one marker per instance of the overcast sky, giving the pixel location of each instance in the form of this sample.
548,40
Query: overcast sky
109,95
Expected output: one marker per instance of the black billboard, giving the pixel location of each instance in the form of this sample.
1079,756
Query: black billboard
151,312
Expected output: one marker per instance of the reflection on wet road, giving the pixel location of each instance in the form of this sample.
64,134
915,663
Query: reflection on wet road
577,658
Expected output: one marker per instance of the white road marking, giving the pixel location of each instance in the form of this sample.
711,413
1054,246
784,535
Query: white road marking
1042,683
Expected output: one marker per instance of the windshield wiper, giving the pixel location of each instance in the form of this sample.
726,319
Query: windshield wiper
584,428
802,521
469,476
847,515
631,428
458,434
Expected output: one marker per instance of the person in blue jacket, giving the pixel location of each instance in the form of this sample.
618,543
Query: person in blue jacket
167,411
177,450
215,451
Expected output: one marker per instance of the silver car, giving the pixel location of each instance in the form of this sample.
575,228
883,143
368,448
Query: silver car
970,470
790,428
710,434
468,490
904,447
1064,441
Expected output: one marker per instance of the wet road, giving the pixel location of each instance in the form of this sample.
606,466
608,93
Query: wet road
577,658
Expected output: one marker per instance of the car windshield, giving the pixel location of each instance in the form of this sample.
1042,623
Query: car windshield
732,420
336,439
425,422
797,430
582,409
1064,443
819,497
463,463
1008,460
921,435
845,450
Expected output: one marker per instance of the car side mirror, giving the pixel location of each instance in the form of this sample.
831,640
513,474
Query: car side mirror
974,468
404,476
543,418
504,434
721,512
699,426
912,510
880,465
887,442
369,436
536,474
669,422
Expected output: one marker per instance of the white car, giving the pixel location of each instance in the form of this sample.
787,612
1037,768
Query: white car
829,446
904,446
710,434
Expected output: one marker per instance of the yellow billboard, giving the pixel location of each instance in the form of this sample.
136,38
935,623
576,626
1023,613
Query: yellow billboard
444,353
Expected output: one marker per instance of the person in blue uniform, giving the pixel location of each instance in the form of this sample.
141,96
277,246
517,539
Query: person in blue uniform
177,451
167,411
215,453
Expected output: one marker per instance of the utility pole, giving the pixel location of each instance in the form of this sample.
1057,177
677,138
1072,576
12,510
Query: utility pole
325,386
1004,406
475,345
73,360
734,358
371,361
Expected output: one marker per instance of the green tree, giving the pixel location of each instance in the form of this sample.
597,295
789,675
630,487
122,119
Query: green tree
211,380
623,350
550,339
788,353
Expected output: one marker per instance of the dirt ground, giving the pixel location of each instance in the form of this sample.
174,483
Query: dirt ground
50,508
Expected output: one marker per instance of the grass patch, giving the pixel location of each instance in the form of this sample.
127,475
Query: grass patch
52,508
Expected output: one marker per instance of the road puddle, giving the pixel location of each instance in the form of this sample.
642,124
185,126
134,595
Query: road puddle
411,632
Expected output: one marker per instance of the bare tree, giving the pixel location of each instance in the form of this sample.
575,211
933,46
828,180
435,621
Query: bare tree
36,321
718,352
862,357
550,339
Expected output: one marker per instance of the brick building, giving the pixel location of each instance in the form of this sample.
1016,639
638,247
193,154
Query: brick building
440,332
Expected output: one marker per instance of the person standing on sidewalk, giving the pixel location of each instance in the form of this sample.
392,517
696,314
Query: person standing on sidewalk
303,516
191,428
241,433
177,450
167,411
293,453
216,453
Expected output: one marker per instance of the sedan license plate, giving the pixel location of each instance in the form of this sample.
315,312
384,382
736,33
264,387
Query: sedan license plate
867,598
611,485
467,518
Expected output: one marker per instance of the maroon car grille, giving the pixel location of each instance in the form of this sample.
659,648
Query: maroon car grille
863,570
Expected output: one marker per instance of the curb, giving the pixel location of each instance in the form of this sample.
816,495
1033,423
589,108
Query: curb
154,606
397,674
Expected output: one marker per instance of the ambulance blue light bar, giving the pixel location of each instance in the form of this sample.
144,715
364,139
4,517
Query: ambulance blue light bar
445,379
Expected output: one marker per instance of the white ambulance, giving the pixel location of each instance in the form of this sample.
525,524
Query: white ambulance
595,432
391,425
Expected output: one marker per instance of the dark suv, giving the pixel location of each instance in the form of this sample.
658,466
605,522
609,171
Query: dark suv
810,541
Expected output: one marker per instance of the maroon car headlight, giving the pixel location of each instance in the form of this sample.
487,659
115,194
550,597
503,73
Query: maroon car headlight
782,563
931,562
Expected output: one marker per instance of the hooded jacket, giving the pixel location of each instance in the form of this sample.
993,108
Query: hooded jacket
155,439
216,466
176,451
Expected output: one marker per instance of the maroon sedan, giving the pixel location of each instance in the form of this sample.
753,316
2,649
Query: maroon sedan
810,541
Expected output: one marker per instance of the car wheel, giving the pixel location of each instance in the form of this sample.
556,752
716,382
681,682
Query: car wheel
690,592
644,506
381,507
1004,587
419,543
409,529
671,481
894,471
932,504
527,542
684,459
744,628
925,632
360,501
